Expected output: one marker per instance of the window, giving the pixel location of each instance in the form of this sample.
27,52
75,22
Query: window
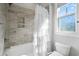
66,17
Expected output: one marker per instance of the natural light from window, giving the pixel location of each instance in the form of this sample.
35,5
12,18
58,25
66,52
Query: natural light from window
66,17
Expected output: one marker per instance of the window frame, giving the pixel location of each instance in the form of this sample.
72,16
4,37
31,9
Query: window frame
70,14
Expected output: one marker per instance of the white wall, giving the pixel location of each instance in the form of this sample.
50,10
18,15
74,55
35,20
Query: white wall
71,39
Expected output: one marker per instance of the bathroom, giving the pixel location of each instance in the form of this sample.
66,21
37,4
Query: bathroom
32,29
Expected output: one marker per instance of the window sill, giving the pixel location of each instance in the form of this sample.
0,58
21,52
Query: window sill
70,34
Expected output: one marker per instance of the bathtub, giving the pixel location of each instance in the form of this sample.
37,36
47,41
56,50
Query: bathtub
20,50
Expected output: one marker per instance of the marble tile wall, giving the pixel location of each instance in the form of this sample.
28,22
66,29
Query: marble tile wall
2,27
16,35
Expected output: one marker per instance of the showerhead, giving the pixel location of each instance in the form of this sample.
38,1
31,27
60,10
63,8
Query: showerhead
10,4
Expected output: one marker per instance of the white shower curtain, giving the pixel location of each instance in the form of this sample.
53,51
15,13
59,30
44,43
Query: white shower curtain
44,30
41,31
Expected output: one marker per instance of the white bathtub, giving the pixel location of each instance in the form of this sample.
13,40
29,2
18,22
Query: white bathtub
19,50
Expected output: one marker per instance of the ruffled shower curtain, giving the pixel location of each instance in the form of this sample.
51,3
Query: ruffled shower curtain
41,33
